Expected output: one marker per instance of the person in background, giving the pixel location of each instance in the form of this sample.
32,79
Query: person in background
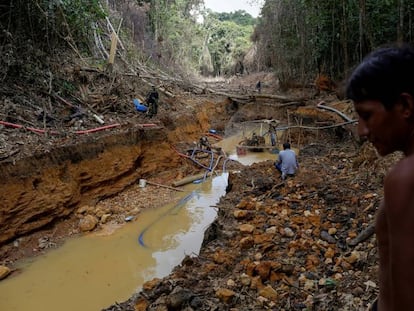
287,164
152,102
255,140
272,132
259,87
203,143
382,89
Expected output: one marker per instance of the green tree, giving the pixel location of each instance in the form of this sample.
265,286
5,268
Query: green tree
240,17
178,39
301,38
228,39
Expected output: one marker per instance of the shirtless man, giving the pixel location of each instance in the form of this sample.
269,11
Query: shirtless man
382,88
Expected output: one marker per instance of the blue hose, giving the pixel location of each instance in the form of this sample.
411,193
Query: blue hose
175,207
199,163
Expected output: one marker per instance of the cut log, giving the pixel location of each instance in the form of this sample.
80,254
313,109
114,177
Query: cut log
188,179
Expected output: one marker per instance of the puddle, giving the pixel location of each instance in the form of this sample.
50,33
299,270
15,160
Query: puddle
95,271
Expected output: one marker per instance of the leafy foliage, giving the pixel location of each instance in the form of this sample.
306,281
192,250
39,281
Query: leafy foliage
32,29
240,17
218,42
45,21
301,38
227,42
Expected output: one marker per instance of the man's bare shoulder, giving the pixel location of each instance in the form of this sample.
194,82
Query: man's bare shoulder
401,175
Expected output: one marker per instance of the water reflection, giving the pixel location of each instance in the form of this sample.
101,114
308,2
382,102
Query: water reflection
229,146
92,272
202,214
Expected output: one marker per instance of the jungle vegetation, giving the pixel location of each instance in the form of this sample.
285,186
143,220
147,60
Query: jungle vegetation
296,39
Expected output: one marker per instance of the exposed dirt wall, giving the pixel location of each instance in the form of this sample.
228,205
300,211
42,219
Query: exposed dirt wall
41,189
38,190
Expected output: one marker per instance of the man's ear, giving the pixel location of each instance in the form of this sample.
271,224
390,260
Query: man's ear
407,102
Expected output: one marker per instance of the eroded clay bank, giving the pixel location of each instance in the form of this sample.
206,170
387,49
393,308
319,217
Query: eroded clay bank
41,189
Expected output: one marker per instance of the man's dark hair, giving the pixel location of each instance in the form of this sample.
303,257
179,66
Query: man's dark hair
383,75
286,146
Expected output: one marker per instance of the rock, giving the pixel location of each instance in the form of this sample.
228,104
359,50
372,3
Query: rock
150,285
104,218
263,270
231,283
45,242
358,291
141,304
225,294
330,253
246,228
245,279
263,238
262,300
84,209
88,223
332,231
256,283
245,204
100,211
353,257
178,297
288,232
240,214
327,237
246,242
302,278
196,303
309,284
159,305
268,292
4,272
369,284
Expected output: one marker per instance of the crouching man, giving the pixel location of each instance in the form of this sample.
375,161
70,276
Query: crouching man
287,164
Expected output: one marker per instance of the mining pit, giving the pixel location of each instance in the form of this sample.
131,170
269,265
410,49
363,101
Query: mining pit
273,245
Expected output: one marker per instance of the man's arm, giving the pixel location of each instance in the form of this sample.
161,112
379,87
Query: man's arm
399,216
279,161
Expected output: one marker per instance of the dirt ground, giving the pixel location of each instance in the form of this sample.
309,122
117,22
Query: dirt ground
275,245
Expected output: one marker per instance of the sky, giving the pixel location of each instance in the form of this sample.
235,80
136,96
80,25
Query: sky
250,6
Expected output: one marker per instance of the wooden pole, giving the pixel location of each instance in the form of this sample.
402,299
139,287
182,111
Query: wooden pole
114,41
164,186
189,179
288,119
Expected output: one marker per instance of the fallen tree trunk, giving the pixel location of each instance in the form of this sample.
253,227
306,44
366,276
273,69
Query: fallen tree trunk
256,97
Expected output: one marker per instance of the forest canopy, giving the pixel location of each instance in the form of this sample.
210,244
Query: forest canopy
296,39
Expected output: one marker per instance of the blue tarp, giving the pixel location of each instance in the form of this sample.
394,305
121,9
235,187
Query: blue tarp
139,106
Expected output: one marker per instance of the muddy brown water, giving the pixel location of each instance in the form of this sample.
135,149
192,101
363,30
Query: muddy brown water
92,272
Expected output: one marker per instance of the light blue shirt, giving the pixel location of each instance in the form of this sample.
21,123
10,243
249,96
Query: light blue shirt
289,161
